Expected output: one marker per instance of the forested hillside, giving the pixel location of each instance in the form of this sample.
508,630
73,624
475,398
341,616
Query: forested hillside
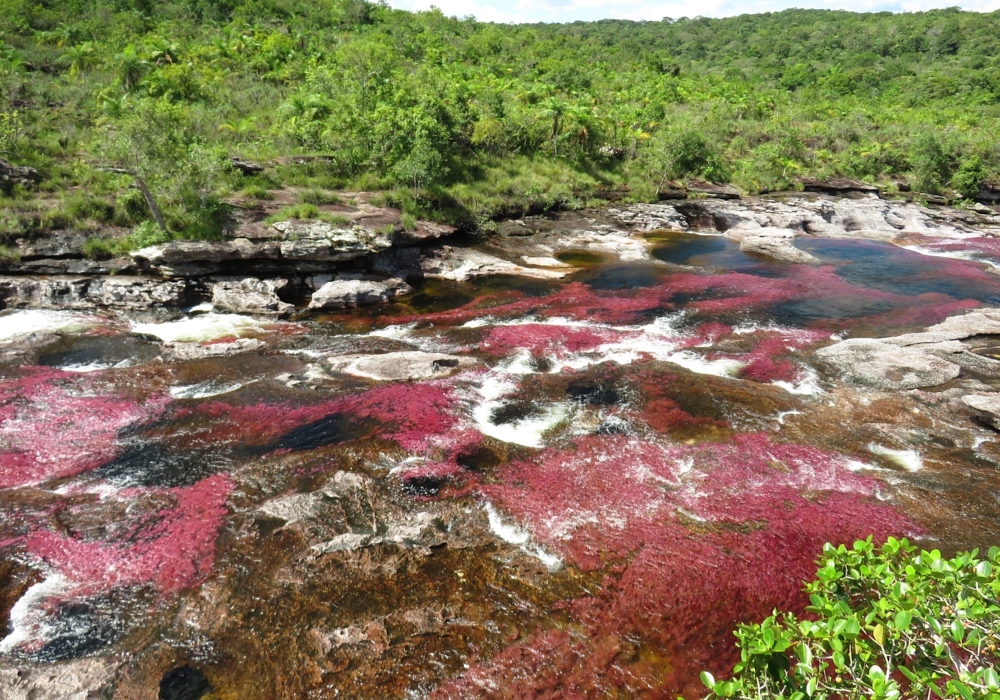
470,120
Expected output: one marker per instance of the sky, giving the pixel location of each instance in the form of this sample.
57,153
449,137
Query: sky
655,10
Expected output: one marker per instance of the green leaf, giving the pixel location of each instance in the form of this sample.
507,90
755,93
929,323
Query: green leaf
708,679
957,631
991,679
879,634
902,621
852,629
984,568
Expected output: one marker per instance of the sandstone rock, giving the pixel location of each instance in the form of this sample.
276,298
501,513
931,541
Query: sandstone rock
252,296
773,242
460,264
886,366
349,293
543,261
650,217
318,240
986,407
82,679
124,293
395,366
836,185
712,189
197,351
989,191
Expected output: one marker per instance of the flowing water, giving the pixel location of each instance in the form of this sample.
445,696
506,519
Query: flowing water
622,466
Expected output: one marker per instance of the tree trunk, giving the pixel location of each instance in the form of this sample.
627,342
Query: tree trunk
153,207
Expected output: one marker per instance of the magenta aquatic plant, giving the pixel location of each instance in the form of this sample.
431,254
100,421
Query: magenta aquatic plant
53,427
686,534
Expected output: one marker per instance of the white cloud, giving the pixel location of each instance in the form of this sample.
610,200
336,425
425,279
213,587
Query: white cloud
508,11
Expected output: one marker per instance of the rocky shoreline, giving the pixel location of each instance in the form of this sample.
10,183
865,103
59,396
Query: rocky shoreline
273,269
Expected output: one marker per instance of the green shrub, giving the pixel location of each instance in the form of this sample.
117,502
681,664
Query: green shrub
297,211
9,255
146,234
409,222
885,622
969,177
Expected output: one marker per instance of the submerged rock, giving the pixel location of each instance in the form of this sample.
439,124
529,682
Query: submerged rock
252,296
887,366
359,291
396,366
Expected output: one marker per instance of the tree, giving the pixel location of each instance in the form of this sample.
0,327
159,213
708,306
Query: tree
149,143
884,623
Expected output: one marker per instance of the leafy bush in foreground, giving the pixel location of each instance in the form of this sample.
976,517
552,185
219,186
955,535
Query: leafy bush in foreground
885,622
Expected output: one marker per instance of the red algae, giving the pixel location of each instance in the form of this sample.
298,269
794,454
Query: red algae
51,429
553,340
688,535
172,549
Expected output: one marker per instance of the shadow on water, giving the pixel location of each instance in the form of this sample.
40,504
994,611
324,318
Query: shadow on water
328,430
151,464
610,278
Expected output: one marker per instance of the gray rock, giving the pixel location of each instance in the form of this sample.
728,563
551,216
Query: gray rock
197,351
396,366
836,185
712,189
83,293
460,264
318,240
886,366
650,217
251,296
82,679
775,243
359,291
12,175
986,407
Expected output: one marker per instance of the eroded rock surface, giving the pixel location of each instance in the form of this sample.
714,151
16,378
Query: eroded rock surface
887,366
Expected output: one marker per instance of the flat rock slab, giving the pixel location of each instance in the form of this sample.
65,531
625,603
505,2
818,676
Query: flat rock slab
461,264
777,243
886,366
398,366
986,406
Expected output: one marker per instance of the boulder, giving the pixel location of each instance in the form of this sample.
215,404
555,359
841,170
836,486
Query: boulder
775,243
13,175
397,366
986,407
359,291
989,191
246,167
886,366
251,296
198,351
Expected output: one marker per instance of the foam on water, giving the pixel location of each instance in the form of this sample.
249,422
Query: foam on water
28,617
969,255
512,534
203,390
908,459
196,329
806,385
37,321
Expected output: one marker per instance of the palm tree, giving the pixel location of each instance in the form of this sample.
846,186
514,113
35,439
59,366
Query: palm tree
80,58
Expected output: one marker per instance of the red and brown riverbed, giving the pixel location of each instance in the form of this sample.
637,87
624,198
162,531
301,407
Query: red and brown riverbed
505,488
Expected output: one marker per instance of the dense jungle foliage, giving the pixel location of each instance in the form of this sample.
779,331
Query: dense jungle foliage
471,121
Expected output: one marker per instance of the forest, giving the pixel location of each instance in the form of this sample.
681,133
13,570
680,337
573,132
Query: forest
465,121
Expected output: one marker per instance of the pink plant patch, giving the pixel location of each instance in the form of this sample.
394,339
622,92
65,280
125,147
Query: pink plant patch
51,428
689,537
171,549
